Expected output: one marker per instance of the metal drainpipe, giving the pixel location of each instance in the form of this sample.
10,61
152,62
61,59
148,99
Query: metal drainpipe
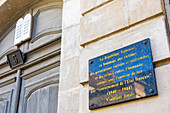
16,92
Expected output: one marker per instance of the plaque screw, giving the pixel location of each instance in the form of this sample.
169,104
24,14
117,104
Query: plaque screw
92,104
145,42
91,62
151,91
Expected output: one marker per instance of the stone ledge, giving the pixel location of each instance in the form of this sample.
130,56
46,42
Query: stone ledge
104,20
155,30
98,23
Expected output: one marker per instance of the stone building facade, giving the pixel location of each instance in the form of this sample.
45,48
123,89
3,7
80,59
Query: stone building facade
65,34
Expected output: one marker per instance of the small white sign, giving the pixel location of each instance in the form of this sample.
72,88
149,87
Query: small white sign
27,27
23,29
18,32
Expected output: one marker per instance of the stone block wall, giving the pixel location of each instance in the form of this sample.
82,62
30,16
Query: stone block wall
91,28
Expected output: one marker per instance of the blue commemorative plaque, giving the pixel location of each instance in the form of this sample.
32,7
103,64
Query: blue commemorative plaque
122,75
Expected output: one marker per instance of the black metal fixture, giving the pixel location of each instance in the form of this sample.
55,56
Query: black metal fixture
15,58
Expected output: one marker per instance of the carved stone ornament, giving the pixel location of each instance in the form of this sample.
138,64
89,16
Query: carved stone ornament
23,29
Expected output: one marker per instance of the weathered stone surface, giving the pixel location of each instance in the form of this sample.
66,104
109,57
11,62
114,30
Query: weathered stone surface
47,20
32,103
70,42
104,20
69,102
2,107
43,100
87,5
7,42
156,104
84,99
142,9
155,30
7,88
71,13
69,74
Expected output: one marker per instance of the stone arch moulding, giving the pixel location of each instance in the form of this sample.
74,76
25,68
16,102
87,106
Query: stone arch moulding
47,31
31,88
